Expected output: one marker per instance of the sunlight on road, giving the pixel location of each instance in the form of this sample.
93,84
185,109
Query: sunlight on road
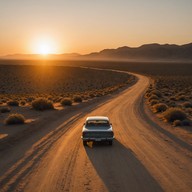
90,144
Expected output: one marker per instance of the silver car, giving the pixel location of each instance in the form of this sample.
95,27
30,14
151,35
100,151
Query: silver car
97,128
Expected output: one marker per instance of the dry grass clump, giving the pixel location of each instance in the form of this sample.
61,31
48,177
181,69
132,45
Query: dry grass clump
157,93
177,123
3,100
5,110
15,119
66,102
153,97
172,104
42,104
13,103
186,122
187,104
160,107
22,102
154,102
173,114
181,98
30,99
77,99
91,95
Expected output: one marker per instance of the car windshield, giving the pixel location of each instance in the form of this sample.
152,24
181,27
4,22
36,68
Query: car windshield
97,124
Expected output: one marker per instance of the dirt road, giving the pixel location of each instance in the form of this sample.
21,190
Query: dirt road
141,159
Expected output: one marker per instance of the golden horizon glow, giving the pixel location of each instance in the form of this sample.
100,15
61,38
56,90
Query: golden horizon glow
44,46
56,27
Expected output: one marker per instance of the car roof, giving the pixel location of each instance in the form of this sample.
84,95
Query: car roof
97,118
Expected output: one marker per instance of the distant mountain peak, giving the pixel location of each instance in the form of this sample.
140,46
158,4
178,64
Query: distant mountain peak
153,51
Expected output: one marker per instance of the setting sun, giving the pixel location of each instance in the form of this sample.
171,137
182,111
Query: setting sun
44,49
44,46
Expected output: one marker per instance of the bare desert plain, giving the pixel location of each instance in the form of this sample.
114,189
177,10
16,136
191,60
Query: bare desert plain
148,103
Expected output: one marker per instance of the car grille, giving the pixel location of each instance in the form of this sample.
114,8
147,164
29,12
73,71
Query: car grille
98,134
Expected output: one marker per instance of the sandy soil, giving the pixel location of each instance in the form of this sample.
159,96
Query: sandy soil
143,158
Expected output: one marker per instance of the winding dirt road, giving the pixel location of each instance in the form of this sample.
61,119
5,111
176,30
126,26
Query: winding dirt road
141,159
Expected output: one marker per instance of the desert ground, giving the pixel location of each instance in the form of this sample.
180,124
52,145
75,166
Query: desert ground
149,153
22,85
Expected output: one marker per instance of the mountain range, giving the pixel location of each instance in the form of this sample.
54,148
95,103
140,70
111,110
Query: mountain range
145,52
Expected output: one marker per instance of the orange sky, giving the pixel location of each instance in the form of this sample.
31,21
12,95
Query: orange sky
62,26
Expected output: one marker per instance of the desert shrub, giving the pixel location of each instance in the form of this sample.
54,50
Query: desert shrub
50,98
58,99
172,104
172,98
160,107
186,122
86,97
187,104
181,98
66,102
30,99
3,100
15,119
173,114
167,94
157,93
152,97
22,102
91,95
177,123
42,104
189,110
153,102
5,110
77,99
13,103
147,93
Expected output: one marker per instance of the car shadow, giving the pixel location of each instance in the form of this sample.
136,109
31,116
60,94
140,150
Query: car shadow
119,169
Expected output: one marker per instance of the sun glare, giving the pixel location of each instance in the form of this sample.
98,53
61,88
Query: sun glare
44,47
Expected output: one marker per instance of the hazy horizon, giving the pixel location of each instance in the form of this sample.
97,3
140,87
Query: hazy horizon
57,27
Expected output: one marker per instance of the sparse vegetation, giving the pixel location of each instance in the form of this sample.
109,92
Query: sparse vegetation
78,99
15,119
22,85
13,103
175,94
154,102
43,87
187,104
177,123
26,79
66,102
170,82
42,104
22,102
186,122
153,97
5,109
173,114
161,107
